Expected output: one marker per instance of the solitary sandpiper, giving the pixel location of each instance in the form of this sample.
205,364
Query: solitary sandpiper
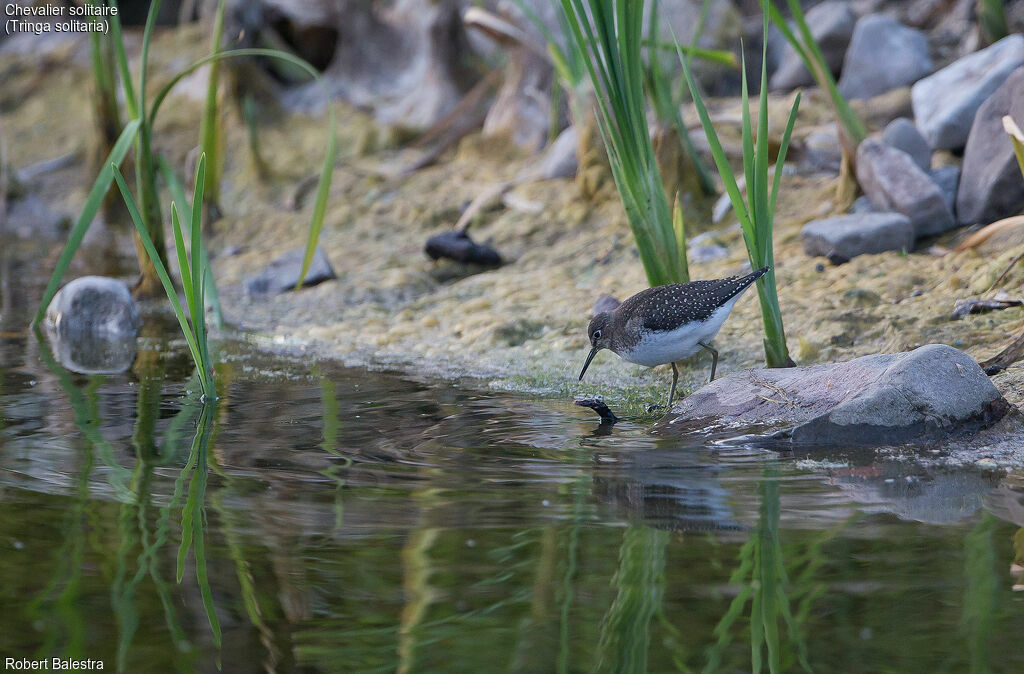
668,323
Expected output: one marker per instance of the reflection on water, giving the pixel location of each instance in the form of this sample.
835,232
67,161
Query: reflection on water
324,519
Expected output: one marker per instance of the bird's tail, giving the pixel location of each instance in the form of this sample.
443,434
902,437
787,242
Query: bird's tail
754,275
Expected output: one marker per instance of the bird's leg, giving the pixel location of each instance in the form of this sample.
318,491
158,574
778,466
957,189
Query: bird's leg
675,378
714,360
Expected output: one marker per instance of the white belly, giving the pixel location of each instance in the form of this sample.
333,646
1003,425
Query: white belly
669,346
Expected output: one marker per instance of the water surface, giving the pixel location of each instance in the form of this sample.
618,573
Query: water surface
331,519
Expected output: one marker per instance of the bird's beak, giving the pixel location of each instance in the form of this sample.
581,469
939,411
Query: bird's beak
593,352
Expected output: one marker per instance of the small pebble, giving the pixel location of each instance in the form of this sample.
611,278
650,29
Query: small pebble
986,464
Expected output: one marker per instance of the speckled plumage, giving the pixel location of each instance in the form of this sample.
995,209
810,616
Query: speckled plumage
668,323
665,308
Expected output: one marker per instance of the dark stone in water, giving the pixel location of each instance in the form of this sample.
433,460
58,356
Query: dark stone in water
928,394
600,407
456,245
282,273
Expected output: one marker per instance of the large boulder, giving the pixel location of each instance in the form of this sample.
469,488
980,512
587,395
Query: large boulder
831,24
885,399
945,103
883,55
895,182
847,236
991,186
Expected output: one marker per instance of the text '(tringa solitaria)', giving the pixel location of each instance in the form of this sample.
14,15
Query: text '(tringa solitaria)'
668,323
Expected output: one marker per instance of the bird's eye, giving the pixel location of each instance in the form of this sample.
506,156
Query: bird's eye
597,334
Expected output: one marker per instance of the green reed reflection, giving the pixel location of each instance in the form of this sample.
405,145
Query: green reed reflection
332,424
980,592
765,582
640,581
193,516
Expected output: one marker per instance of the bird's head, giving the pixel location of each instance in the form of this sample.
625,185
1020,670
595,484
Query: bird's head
600,336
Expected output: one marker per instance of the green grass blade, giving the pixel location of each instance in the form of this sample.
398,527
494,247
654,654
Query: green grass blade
992,19
608,36
783,149
762,216
92,206
179,247
722,57
161,271
195,304
747,134
147,34
130,100
679,228
163,92
210,136
184,208
810,53
323,190
721,161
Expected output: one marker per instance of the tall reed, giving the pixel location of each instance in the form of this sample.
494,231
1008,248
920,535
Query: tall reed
193,273
757,213
104,75
147,165
211,135
609,37
851,129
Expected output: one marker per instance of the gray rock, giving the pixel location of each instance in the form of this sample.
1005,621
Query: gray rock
903,135
991,187
847,236
945,103
876,400
947,178
831,24
91,324
282,273
862,204
883,55
822,151
606,303
560,160
895,183
94,305
706,253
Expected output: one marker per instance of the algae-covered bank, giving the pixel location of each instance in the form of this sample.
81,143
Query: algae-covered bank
295,296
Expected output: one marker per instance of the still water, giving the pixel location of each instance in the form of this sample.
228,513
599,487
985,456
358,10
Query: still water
326,519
